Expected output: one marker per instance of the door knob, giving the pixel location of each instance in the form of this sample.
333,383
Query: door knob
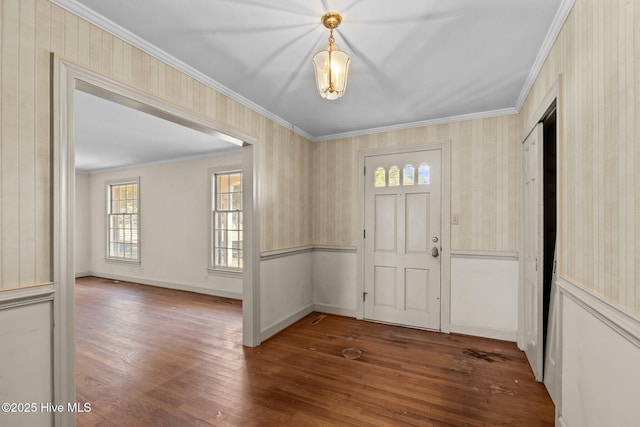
434,252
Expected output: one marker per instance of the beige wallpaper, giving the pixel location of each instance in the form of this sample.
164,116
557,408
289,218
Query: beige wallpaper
598,54
485,186
31,29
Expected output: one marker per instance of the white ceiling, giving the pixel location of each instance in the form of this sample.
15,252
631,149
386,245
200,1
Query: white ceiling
110,135
412,61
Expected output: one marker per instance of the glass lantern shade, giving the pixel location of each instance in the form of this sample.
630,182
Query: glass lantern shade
332,68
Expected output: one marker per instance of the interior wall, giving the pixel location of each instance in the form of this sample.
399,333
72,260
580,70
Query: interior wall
598,54
26,376
31,30
485,198
485,189
83,224
174,227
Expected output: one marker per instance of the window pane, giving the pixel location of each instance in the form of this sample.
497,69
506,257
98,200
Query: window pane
223,202
220,257
394,176
221,239
233,239
223,183
235,260
408,175
236,221
381,177
424,174
236,201
235,181
221,221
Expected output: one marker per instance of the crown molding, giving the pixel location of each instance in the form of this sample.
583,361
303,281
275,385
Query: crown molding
547,45
111,27
451,119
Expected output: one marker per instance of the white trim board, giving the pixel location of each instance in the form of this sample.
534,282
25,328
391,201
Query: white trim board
281,325
281,253
17,297
168,285
496,334
334,309
556,26
511,255
619,320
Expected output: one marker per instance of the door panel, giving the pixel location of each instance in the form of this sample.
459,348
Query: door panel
417,289
385,219
385,287
532,256
417,223
403,225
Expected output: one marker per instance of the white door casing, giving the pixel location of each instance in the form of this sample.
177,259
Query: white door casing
402,277
531,289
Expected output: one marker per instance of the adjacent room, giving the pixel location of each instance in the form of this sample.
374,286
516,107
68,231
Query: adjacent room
319,212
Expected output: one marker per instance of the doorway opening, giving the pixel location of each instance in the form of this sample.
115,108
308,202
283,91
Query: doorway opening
550,217
67,78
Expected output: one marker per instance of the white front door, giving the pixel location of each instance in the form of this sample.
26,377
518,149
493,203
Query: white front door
532,262
402,238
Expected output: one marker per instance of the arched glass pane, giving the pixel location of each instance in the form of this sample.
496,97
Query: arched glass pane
381,177
424,174
394,176
409,175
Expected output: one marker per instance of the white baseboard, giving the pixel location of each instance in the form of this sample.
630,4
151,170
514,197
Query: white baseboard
169,285
273,329
560,422
496,334
83,274
334,309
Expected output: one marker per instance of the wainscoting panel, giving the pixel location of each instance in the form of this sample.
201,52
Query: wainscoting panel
484,295
26,353
286,291
335,280
600,359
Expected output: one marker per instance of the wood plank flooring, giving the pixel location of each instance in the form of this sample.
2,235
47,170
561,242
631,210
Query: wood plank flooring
156,357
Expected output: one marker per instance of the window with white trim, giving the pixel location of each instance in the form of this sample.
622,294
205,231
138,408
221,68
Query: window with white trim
123,220
226,220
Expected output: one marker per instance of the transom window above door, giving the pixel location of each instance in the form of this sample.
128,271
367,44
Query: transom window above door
406,176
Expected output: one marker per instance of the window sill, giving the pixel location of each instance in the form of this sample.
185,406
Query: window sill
223,272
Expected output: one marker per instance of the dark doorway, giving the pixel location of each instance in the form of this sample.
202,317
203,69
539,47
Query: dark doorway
550,212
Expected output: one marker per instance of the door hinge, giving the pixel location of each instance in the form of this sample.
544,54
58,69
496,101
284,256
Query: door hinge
536,264
364,296
364,234
365,171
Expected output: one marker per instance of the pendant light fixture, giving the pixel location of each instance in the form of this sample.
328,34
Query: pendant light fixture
331,65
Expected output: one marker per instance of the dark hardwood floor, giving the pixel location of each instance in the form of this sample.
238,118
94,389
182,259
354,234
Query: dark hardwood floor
156,357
